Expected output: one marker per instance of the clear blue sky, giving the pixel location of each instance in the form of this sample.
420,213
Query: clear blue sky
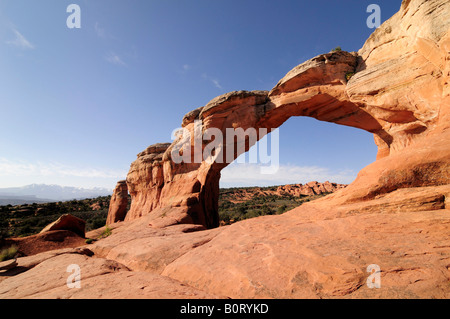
77,105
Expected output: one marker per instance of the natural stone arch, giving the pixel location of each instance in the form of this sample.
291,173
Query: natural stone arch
316,88
376,90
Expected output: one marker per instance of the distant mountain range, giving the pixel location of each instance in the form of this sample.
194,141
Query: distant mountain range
41,193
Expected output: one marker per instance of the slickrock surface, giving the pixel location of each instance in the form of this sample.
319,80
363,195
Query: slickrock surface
396,214
317,251
46,275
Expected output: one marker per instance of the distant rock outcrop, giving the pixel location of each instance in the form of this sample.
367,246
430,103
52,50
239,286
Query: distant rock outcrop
310,189
237,195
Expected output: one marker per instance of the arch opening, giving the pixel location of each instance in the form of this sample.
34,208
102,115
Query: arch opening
164,187
309,150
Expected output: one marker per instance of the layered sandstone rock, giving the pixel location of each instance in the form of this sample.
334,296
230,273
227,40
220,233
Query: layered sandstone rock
45,276
399,92
145,181
47,241
67,222
119,204
396,214
310,189
156,181
297,190
402,81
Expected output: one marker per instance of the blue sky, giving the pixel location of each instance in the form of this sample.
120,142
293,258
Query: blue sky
77,105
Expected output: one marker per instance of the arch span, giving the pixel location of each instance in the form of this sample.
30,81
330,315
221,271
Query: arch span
316,88
406,109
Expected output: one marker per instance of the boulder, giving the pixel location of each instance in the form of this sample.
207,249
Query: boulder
67,222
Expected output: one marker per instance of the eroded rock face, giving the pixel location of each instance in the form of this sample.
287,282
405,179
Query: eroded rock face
318,251
118,204
402,80
145,181
399,92
310,189
156,181
295,190
402,77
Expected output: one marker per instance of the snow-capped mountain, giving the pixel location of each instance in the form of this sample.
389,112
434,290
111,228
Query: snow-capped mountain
46,193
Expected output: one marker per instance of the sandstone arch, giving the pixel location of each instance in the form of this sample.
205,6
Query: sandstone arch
320,250
403,107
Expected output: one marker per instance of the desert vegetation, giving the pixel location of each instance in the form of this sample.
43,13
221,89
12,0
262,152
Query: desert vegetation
8,253
256,204
29,219
235,204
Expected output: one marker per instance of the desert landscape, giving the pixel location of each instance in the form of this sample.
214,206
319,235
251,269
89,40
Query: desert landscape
164,238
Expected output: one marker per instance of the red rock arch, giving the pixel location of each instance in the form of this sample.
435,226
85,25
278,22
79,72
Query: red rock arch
376,89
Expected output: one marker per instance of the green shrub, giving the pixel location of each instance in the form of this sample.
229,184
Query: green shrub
95,223
337,49
106,233
8,253
26,224
282,209
252,214
349,75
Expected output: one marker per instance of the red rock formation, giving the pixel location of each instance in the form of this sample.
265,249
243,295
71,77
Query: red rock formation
67,222
244,194
396,214
155,181
310,189
118,204
46,278
406,108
